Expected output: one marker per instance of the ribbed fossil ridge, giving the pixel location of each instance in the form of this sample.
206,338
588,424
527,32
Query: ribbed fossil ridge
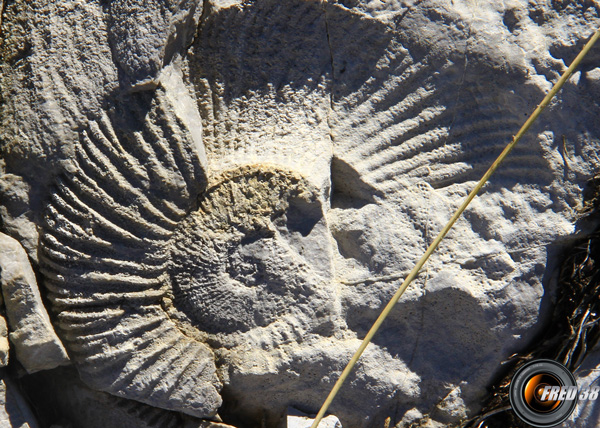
104,258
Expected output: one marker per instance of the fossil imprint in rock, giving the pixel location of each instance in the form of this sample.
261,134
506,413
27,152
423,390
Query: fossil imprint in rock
105,259
227,255
124,248
338,137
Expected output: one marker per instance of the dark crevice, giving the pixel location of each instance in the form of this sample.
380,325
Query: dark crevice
201,21
58,397
330,59
348,190
331,102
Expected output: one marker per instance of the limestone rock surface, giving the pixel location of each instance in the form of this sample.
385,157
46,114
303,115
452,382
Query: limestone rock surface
36,344
220,196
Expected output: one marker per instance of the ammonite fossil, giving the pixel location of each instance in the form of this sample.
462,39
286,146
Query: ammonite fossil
338,137
136,251
254,250
105,258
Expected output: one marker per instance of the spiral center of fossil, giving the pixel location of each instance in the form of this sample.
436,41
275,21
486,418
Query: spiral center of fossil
256,249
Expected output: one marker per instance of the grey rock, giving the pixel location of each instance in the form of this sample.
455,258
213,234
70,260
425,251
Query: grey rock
298,419
409,106
14,409
4,346
16,213
36,345
145,36
238,212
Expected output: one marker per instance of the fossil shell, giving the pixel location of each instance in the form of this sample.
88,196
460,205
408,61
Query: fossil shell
105,257
254,251
378,116
407,124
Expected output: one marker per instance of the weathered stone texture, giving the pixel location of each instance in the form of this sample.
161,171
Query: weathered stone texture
220,196
36,344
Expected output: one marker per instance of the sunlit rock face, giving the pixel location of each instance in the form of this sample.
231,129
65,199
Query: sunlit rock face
220,197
